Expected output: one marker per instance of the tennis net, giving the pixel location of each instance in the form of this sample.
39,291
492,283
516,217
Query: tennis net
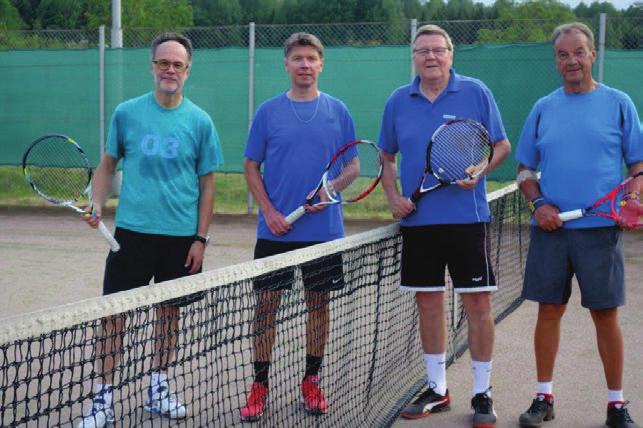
373,359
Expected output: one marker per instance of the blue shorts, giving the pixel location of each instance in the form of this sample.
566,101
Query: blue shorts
323,274
594,255
144,256
464,248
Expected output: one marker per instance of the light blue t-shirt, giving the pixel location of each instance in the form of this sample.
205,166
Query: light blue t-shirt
579,142
408,123
164,153
294,141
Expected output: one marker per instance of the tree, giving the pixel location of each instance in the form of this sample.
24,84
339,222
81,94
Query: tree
258,11
216,12
10,17
60,14
141,13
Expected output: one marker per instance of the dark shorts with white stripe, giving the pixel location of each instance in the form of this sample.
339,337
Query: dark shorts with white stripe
323,274
463,248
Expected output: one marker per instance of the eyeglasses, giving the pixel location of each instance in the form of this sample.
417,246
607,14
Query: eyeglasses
565,56
425,52
164,65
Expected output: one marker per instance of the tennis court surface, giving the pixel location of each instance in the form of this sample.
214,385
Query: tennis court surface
372,366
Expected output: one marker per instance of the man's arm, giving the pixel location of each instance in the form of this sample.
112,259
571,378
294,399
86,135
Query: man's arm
546,215
274,219
101,185
194,259
399,205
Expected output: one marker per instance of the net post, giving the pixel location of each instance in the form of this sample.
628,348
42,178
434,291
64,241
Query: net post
414,28
251,91
101,89
601,45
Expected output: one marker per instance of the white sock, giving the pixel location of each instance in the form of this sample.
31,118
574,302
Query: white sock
545,388
614,395
436,372
158,379
105,390
481,377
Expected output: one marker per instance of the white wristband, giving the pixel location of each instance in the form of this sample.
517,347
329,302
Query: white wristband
526,174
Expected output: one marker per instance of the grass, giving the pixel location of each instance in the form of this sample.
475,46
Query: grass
231,195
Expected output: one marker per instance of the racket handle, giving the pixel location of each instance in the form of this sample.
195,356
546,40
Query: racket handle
295,215
108,237
570,215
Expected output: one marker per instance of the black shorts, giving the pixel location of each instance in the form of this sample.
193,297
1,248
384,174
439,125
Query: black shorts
144,256
323,274
464,248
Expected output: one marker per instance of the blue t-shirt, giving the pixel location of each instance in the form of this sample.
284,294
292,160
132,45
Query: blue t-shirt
294,141
579,142
410,120
164,153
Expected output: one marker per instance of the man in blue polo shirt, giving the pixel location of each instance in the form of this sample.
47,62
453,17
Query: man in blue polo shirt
294,135
448,227
579,136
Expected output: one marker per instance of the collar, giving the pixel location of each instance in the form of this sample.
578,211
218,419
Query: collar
452,86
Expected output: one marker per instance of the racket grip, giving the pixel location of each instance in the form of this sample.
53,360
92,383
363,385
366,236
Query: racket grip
108,237
570,215
295,215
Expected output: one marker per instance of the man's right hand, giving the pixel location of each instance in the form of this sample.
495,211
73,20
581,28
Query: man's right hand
547,217
277,222
92,216
401,207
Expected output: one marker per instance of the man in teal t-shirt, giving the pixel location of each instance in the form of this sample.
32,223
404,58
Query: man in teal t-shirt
170,149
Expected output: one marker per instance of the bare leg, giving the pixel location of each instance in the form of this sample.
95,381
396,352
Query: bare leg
433,324
610,345
317,322
108,347
166,331
264,324
547,338
481,328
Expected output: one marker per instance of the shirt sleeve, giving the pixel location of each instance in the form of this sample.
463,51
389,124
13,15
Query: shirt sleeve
388,138
493,118
114,144
526,153
210,153
256,143
632,144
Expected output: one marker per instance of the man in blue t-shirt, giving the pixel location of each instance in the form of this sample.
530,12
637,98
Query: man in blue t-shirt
170,149
579,137
448,227
294,135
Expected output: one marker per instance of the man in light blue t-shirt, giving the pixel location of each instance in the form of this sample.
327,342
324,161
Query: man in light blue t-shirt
448,227
170,149
579,136
294,135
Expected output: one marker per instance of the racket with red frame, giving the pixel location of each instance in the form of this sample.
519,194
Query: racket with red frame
460,149
628,210
341,182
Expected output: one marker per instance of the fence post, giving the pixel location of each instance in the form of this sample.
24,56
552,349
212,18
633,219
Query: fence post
251,90
601,45
414,28
101,89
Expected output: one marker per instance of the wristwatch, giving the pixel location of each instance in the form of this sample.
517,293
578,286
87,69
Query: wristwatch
536,203
205,240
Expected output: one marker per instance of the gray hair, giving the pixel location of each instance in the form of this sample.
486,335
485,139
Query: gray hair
303,39
430,29
571,27
173,37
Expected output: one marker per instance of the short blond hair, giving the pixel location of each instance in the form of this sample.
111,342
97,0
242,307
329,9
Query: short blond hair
430,29
303,39
573,27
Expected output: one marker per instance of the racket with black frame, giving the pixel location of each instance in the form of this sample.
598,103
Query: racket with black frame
341,182
627,210
58,170
460,149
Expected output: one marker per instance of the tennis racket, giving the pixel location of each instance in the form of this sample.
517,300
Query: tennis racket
58,171
627,210
460,149
340,182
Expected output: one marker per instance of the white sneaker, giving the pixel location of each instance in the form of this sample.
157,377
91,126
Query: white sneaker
162,402
99,416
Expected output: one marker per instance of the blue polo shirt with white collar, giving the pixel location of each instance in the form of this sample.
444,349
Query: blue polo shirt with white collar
408,123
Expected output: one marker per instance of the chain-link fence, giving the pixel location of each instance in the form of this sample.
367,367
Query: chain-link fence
65,81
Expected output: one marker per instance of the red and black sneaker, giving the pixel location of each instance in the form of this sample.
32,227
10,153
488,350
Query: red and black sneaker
428,402
312,396
618,416
255,403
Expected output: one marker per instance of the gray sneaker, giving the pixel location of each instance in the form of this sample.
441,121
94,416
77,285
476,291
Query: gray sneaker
428,402
619,417
541,410
484,416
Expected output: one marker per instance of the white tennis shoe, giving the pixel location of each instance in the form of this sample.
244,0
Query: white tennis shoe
163,402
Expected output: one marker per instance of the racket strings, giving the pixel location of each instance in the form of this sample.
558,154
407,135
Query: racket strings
459,150
57,170
353,173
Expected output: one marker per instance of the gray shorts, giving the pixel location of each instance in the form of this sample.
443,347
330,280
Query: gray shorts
594,255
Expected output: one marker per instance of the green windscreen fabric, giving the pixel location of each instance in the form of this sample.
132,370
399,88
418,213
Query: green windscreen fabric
57,91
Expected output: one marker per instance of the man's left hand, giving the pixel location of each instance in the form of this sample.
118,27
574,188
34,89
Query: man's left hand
195,257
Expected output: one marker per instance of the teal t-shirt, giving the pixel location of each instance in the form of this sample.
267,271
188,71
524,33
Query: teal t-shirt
164,152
